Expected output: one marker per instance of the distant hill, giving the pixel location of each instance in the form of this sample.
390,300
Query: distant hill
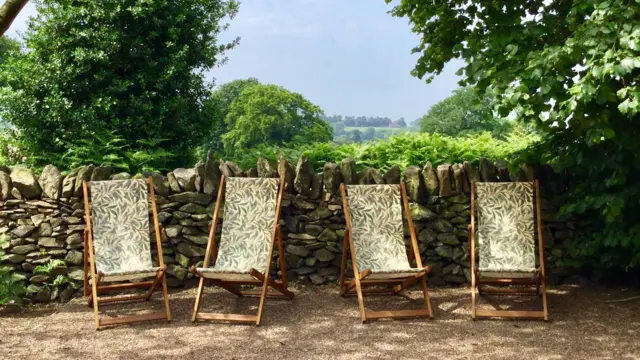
363,128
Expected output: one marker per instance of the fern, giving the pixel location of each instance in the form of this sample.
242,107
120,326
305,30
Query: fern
11,284
403,150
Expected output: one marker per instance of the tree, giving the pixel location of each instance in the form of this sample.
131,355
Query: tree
338,128
400,123
8,12
460,114
573,69
133,67
369,134
218,106
7,47
270,114
356,136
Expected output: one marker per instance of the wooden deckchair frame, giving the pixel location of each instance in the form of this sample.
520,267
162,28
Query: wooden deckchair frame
537,284
96,278
394,286
261,279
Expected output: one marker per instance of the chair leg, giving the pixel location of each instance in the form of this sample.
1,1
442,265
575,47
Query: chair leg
363,315
86,270
343,264
196,307
94,293
165,295
473,295
425,292
263,297
91,296
543,286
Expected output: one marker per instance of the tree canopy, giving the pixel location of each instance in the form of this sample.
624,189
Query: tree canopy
270,114
218,105
573,69
132,67
462,113
7,46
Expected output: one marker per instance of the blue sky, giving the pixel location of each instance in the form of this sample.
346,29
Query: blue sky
349,57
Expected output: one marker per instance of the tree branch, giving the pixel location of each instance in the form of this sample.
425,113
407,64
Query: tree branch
8,12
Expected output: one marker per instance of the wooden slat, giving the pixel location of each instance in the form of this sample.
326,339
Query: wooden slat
252,293
372,292
412,230
212,249
343,260
508,291
352,284
472,243
352,250
274,234
161,275
230,288
397,314
121,298
227,317
116,287
277,286
511,314
509,281
243,282
543,277
130,319
373,282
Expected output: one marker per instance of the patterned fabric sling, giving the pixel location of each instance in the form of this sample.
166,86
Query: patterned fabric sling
377,232
249,216
506,241
120,217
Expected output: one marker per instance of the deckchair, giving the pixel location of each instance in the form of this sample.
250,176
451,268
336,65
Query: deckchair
374,237
117,246
506,245
250,231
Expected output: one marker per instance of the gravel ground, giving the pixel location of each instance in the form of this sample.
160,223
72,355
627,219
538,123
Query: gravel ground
318,324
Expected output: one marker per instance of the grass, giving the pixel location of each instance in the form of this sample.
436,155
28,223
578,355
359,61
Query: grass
380,129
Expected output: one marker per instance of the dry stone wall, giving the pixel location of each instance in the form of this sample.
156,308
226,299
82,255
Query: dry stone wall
43,217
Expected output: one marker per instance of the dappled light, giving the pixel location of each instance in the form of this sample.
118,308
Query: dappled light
389,179
320,324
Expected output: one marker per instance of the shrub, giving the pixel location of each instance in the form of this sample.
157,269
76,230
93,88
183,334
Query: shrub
11,284
405,150
134,66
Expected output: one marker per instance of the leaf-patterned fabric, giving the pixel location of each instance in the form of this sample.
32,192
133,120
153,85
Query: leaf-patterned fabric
249,216
120,216
376,229
506,241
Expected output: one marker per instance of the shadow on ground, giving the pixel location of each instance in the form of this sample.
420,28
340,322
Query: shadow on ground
319,324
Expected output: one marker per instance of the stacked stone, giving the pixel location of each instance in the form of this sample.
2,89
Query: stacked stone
41,227
44,217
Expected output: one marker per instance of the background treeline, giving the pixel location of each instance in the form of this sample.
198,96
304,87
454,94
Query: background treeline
360,129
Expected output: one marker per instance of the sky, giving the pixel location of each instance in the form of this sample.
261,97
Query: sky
349,57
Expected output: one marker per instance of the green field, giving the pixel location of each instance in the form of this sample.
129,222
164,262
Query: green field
381,129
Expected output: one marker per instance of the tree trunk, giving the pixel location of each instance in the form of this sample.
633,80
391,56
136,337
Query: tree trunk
8,13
